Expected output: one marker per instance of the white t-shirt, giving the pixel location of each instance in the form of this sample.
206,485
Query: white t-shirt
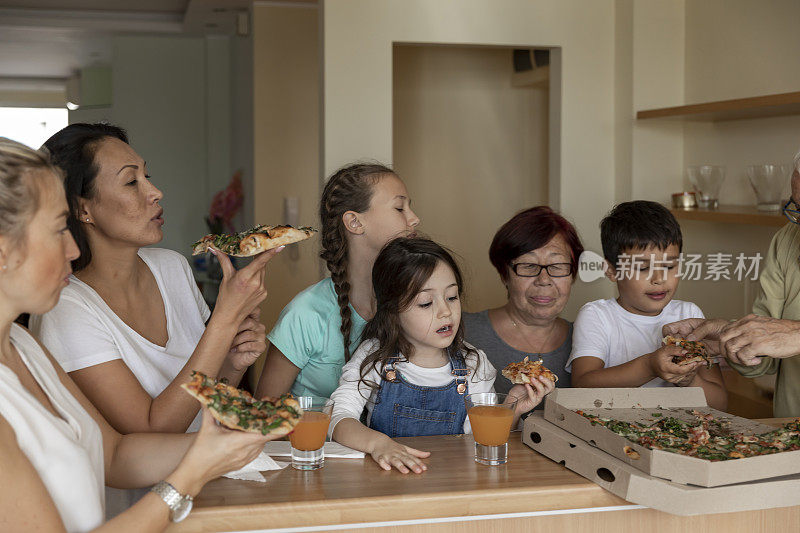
66,450
82,330
605,330
353,395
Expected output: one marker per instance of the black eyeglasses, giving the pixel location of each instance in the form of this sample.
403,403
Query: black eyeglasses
531,270
792,214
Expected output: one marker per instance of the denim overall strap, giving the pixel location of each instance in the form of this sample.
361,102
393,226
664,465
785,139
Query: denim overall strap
403,409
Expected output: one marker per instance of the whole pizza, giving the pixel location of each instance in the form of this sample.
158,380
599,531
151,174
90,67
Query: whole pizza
237,409
254,241
708,438
695,351
527,371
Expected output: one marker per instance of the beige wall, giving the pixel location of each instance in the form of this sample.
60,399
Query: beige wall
464,137
658,80
611,58
680,52
159,95
734,49
357,96
286,139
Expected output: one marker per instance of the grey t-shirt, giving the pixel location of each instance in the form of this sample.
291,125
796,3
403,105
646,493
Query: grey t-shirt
479,332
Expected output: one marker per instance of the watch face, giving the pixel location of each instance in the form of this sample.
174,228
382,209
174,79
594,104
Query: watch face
182,510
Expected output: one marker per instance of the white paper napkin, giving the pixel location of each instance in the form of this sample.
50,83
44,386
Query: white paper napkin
283,448
251,471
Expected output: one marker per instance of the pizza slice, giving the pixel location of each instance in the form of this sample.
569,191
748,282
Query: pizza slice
695,351
237,409
253,241
527,371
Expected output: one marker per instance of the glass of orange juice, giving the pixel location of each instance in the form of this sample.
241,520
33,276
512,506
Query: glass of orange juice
308,437
490,415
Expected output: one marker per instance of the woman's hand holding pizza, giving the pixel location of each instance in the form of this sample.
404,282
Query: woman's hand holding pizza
215,451
389,453
242,290
529,396
662,366
250,342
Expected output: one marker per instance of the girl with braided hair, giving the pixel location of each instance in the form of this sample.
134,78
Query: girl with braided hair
363,206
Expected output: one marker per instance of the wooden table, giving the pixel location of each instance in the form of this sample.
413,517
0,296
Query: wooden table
530,493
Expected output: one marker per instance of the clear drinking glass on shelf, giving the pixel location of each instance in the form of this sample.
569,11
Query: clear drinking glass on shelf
308,437
707,181
490,415
770,182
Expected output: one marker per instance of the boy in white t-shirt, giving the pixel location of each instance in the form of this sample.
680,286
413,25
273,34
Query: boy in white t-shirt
618,343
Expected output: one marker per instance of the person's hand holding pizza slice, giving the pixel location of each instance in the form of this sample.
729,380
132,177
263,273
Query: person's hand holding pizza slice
532,382
662,365
528,396
216,451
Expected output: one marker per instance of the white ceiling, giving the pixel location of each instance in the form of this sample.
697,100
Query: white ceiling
55,38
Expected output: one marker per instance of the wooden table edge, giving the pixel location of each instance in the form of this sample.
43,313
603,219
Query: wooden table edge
404,507
401,507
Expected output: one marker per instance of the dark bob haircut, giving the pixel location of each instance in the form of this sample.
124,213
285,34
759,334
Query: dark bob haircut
72,150
529,230
637,225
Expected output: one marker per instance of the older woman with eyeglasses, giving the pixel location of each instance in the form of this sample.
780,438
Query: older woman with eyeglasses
767,341
536,254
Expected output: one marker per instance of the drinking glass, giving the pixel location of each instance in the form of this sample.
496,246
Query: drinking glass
707,181
490,415
308,437
769,182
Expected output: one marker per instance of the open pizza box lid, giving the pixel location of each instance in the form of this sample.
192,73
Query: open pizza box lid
646,405
629,483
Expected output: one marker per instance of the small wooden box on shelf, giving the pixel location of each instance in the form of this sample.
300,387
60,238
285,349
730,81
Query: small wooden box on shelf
732,214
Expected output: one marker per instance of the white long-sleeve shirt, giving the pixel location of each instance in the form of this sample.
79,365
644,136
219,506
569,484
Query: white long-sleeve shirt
353,395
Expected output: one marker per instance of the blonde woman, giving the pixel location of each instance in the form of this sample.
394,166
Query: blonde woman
57,450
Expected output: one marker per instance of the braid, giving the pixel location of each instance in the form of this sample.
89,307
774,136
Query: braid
334,252
349,189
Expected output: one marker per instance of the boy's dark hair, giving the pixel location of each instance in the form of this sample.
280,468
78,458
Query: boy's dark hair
638,224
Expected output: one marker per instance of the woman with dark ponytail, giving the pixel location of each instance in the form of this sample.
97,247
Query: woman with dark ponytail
132,325
363,207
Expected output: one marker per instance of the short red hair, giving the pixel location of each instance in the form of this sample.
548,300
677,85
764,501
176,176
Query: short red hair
529,230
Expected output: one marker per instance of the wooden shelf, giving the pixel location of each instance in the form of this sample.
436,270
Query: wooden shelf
771,105
733,214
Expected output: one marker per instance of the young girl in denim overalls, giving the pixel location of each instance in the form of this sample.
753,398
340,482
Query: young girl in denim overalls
414,368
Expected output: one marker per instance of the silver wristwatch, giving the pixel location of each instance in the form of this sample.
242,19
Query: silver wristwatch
180,505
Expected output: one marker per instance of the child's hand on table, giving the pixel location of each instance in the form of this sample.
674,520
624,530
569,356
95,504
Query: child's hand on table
388,453
663,367
529,396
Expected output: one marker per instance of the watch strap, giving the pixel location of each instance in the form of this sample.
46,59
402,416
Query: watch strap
170,495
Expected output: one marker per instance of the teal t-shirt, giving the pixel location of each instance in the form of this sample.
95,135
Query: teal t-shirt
308,334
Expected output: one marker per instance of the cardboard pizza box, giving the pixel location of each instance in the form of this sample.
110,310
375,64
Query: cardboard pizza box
629,483
646,405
